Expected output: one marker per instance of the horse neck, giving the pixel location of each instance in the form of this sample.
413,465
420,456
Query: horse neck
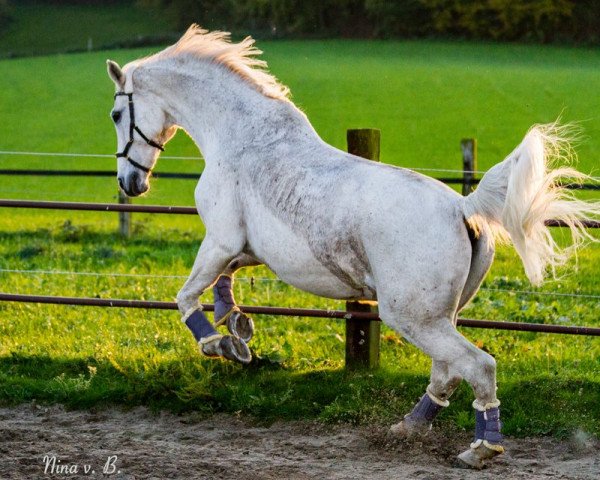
224,114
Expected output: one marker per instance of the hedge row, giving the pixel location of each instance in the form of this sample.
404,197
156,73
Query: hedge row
573,21
5,13
513,20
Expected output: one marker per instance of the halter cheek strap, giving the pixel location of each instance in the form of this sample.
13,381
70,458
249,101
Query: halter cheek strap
134,128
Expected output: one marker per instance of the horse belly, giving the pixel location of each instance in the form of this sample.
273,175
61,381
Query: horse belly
292,260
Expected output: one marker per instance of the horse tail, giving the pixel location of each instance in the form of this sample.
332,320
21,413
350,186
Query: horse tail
516,197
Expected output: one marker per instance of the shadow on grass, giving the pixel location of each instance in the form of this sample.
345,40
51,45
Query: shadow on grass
80,244
269,393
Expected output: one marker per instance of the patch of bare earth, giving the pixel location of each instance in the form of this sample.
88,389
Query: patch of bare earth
138,444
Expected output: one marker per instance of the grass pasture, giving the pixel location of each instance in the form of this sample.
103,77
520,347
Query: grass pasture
424,96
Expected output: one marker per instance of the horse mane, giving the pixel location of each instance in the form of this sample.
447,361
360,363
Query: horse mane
217,47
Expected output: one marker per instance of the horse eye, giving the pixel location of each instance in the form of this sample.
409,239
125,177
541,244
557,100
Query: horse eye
116,116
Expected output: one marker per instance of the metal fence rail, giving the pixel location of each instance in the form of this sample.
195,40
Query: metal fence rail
90,173
196,176
294,312
180,210
99,207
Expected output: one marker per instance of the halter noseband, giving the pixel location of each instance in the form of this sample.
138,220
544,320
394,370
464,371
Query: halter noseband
134,128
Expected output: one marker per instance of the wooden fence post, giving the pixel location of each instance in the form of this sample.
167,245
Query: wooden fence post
469,152
124,217
362,336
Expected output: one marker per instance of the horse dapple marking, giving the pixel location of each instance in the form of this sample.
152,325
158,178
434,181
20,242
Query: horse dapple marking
334,224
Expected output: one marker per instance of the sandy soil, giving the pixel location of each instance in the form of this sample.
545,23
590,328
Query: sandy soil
189,447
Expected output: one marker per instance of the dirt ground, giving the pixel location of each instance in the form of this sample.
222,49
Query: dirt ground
36,441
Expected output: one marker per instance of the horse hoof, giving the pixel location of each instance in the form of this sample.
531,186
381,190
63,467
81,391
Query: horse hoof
474,457
227,346
407,429
235,349
241,326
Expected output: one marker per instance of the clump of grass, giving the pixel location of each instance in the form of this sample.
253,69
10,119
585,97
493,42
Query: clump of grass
30,251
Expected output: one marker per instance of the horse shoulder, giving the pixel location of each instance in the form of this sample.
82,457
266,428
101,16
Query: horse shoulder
217,201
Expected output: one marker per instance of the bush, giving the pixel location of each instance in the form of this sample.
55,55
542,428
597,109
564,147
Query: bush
535,20
584,24
74,2
5,14
512,20
409,18
277,17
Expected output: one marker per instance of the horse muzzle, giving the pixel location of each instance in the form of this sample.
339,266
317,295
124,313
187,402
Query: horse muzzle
134,185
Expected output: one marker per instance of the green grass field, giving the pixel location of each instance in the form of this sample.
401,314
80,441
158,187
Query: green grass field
425,97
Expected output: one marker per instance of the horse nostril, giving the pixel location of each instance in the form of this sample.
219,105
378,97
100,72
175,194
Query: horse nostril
121,183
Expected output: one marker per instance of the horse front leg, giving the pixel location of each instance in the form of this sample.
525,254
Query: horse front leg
211,260
226,309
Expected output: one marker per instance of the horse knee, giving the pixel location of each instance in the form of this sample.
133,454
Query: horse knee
444,380
186,301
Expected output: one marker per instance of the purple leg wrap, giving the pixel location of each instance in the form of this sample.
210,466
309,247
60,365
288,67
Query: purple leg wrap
488,425
199,325
223,295
424,411
479,425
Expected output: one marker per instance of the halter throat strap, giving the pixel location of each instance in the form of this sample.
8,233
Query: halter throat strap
134,128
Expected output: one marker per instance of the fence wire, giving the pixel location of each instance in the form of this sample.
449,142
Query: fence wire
254,280
172,157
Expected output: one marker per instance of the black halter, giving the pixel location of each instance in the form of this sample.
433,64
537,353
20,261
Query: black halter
134,128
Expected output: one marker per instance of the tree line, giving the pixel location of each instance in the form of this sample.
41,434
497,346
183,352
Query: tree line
544,21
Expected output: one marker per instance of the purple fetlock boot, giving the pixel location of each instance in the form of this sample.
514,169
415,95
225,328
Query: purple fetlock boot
212,343
488,439
227,312
418,421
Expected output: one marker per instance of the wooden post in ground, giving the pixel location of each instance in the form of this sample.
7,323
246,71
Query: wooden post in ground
362,336
124,217
469,152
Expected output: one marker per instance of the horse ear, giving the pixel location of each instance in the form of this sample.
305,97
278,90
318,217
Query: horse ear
115,73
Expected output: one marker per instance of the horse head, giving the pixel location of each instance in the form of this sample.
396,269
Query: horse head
142,125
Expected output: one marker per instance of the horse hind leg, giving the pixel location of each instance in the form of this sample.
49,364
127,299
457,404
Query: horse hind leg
481,260
442,384
454,358
226,309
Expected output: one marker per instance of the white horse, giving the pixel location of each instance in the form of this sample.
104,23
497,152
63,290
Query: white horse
334,224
